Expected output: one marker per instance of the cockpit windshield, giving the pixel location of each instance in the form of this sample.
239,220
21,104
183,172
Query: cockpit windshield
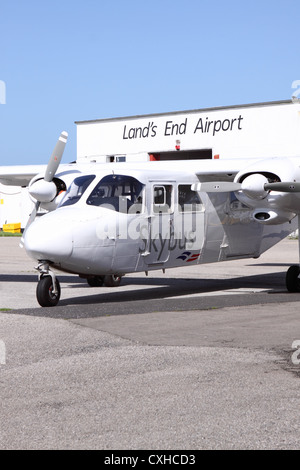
76,190
120,193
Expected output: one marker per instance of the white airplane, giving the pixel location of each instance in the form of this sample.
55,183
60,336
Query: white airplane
107,220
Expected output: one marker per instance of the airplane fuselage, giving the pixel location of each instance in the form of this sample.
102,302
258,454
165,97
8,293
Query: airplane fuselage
107,220
123,221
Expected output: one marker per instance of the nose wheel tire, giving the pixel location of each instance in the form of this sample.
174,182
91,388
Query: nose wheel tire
292,278
45,294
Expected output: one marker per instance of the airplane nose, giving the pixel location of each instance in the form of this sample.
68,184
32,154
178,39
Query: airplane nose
49,239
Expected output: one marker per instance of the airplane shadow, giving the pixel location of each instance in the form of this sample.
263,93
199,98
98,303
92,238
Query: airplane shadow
174,287
162,286
160,294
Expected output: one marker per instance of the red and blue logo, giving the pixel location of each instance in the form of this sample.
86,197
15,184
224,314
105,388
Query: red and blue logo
188,257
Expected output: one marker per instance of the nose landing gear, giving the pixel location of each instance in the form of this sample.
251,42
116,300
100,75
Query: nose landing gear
48,287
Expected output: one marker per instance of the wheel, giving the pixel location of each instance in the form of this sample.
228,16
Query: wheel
112,281
292,279
44,292
96,281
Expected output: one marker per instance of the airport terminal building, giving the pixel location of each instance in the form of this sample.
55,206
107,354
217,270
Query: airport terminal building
260,130
244,131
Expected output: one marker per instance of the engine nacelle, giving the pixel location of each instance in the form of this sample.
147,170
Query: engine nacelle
50,194
270,217
253,194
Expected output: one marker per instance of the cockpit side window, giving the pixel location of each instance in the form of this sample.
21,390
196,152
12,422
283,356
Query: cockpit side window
120,193
76,190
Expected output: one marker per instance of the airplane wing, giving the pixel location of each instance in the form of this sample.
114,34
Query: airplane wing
219,170
19,175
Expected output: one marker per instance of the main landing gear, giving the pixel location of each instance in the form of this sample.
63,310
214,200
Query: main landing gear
113,280
292,279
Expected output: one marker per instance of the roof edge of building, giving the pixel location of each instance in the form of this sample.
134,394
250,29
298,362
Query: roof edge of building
217,108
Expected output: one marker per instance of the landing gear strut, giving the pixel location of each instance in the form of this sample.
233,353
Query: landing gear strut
292,279
48,288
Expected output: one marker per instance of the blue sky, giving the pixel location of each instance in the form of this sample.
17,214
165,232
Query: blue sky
65,61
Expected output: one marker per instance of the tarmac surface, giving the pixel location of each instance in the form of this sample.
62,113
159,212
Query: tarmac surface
197,358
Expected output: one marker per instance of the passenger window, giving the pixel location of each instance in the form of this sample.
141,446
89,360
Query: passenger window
162,199
188,200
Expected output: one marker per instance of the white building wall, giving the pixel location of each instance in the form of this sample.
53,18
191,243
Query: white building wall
264,130
15,205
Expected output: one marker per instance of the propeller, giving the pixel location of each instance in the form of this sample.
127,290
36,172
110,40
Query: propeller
45,190
255,186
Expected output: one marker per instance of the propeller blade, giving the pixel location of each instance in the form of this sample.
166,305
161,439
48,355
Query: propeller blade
283,187
216,187
30,220
42,190
56,157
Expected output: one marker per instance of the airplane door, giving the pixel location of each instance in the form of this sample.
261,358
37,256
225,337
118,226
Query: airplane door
160,223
